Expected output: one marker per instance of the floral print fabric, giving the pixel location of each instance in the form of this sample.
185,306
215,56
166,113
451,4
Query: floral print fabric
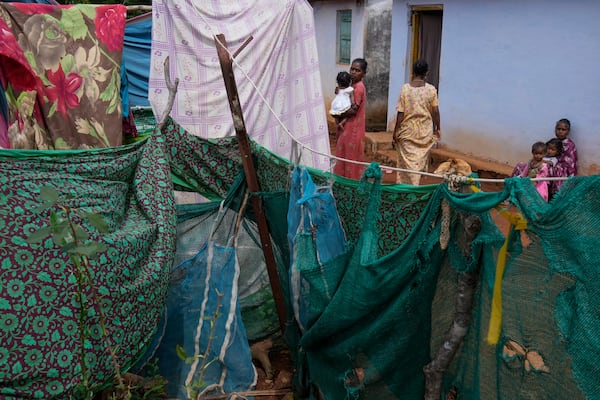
61,70
130,188
415,134
566,165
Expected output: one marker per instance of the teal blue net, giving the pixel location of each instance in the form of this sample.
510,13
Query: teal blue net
362,319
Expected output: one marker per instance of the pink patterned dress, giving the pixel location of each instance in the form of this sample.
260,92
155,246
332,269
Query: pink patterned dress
526,170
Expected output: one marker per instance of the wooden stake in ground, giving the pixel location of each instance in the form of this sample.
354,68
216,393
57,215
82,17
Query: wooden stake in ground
467,283
250,173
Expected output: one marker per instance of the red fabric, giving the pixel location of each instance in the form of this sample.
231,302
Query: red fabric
351,138
60,66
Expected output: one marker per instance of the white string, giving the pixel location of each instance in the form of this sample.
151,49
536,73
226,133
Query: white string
331,156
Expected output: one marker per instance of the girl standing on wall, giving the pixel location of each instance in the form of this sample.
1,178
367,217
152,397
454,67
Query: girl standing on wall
350,137
567,161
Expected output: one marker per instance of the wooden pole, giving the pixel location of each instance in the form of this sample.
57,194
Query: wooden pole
250,173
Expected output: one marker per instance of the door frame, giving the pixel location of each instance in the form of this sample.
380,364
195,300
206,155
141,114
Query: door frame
415,14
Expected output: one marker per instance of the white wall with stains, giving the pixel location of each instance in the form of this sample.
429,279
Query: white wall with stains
325,14
508,71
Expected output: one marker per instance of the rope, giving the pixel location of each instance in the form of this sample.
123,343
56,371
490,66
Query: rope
330,156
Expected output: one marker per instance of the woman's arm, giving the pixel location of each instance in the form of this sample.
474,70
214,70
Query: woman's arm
399,119
357,98
435,114
351,112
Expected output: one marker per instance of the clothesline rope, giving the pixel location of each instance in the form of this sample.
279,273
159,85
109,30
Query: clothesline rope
331,156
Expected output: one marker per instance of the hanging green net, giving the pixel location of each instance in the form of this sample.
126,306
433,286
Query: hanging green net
389,297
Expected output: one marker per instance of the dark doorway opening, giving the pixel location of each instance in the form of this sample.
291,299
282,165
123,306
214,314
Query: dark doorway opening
426,24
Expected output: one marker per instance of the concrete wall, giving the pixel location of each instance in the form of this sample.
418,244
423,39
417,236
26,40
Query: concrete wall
371,31
377,54
508,71
325,13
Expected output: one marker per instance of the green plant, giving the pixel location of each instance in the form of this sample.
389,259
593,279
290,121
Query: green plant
195,388
67,234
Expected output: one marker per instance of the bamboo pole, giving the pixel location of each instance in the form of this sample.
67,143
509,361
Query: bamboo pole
250,173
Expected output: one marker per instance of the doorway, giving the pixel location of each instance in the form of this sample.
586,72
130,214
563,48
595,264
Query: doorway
426,26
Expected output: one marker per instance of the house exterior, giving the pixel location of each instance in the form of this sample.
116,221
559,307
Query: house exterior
506,70
350,29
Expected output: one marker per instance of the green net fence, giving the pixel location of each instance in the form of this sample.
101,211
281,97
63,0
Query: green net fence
396,290
383,307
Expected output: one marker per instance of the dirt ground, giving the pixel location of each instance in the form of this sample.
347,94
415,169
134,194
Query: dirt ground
278,387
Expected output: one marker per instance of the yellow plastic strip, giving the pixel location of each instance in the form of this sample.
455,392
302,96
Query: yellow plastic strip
519,223
495,326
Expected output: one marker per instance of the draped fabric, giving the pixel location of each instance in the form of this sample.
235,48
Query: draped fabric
374,314
136,56
281,63
40,323
61,70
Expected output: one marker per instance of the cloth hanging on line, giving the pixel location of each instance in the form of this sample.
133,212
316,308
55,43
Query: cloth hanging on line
61,69
130,187
313,226
283,48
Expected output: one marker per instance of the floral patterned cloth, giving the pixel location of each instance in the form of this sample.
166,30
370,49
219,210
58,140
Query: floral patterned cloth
61,70
566,165
39,314
415,134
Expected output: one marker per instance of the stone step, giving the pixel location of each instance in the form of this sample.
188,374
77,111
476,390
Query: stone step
485,168
385,157
378,147
377,141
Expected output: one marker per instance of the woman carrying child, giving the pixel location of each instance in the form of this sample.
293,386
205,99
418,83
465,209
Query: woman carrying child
350,143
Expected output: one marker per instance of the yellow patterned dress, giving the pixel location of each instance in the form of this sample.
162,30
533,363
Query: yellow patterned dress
415,135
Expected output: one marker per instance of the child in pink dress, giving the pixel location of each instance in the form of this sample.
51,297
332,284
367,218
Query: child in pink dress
535,168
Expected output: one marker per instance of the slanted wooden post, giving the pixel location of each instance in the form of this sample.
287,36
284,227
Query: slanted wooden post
250,173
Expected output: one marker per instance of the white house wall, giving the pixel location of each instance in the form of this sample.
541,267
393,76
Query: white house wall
325,14
508,71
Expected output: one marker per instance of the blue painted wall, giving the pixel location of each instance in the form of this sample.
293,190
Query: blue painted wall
509,70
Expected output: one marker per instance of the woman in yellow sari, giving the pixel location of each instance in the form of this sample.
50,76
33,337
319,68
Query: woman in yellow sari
417,124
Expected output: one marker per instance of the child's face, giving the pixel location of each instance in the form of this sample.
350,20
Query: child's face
551,151
538,155
356,72
561,131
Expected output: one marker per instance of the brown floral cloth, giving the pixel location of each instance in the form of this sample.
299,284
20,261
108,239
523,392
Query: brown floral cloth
60,66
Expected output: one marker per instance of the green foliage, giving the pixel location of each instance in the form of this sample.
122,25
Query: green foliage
198,384
69,235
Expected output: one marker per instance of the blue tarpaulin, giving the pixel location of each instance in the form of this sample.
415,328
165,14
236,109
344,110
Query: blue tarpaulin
136,57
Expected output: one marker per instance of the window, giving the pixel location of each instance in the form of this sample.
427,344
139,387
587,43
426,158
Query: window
344,26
